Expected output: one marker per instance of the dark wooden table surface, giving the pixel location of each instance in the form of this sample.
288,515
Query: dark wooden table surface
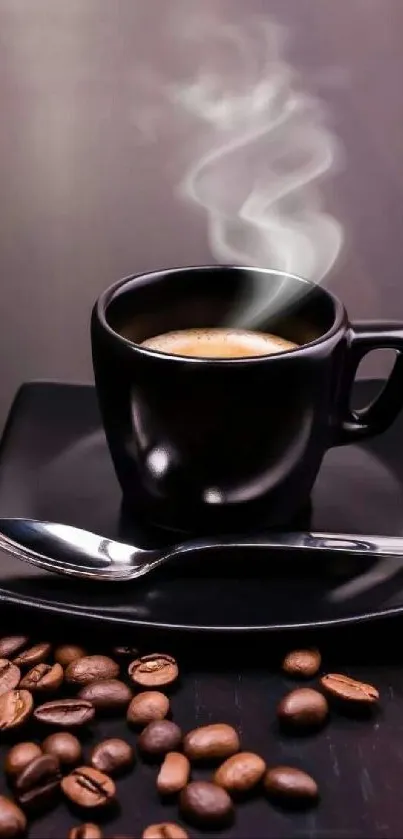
106,106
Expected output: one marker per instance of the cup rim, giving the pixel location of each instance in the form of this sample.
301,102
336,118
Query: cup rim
107,295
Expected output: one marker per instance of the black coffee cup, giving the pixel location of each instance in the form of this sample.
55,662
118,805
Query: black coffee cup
219,445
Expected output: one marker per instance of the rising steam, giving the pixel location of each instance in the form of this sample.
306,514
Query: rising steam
259,148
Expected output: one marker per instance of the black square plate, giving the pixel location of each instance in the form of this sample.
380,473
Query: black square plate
54,465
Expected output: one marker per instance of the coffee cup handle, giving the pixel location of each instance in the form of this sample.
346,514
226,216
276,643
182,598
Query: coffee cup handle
379,414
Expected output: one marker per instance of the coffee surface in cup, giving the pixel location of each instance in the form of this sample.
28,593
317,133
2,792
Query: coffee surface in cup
219,343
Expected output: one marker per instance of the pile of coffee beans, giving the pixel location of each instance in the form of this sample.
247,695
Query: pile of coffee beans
48,697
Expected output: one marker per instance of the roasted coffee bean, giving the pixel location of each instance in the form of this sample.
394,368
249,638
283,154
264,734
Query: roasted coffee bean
13,821
33,655
19,757
39,782
43,678
165,830
10,675
107,696
127,653
91,668
302,663
174,773
288,784
11,645
241,772
15,708
41,767
343,687
64,746
147,706
303,708
204,803
211,742
66,653
85,831
159,737
67,713
87,787
154,670
112,756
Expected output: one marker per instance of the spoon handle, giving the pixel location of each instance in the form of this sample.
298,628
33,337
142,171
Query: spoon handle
374,546
347,543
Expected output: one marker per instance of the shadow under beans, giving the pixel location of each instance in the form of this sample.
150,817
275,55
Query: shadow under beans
292,805
241,797
46,802
306,732
101,815
358,711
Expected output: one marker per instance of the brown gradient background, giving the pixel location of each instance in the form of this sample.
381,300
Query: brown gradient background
85,200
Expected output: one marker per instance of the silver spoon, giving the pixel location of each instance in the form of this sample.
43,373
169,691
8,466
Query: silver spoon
79,553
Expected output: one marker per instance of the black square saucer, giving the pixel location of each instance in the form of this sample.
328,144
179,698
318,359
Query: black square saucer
54,465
